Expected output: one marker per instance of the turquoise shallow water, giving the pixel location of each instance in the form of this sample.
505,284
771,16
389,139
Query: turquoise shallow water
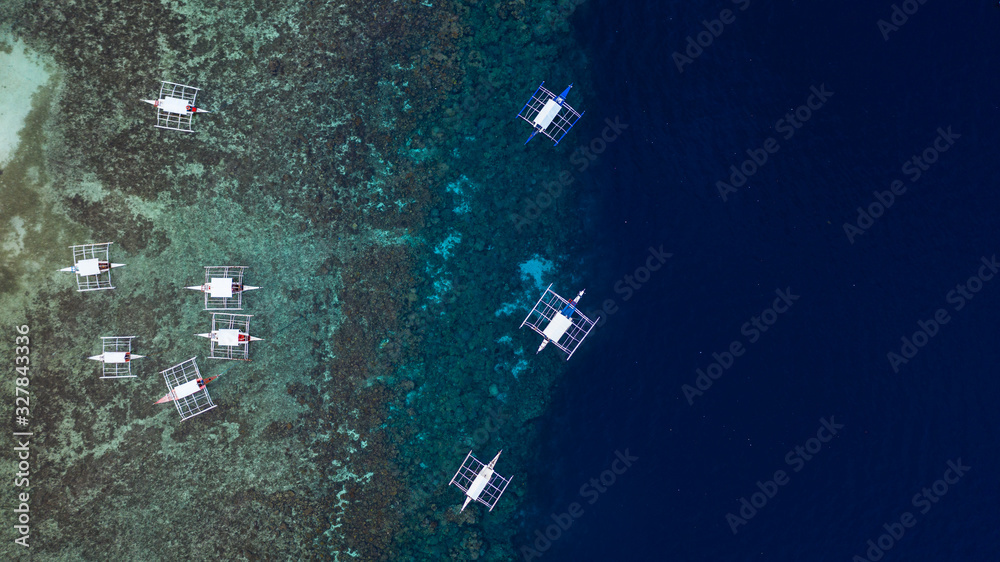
364,163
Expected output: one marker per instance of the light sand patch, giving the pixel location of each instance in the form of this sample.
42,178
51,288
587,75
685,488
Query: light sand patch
89,188
535,269
14,241
23,72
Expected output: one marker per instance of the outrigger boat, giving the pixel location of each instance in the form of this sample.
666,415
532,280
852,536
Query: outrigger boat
92,265
561,318
187,389
176,106
230,336
116,357
545,113
223,287
479,481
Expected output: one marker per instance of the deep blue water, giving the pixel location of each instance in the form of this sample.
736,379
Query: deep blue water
826,356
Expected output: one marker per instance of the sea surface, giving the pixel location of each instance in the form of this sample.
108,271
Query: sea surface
898,430
783,215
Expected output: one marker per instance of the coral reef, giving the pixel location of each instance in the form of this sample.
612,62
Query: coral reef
347,140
